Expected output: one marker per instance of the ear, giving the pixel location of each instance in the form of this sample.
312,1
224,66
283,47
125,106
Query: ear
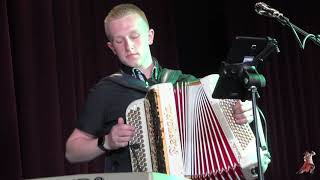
112,48
150,36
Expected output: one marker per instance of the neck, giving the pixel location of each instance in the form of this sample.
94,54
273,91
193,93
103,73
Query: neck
147,71
146,67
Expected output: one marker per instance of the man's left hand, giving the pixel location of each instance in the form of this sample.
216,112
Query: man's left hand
242,112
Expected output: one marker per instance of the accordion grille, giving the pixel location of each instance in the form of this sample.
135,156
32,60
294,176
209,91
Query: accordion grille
242,132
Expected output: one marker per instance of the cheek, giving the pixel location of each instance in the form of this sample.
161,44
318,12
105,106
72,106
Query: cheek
142,45
119,49
138,43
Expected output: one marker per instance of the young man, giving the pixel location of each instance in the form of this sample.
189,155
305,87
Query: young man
101,126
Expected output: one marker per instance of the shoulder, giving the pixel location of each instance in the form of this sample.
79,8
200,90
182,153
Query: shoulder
105,83
103,90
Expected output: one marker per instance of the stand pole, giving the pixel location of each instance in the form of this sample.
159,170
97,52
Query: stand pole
254,91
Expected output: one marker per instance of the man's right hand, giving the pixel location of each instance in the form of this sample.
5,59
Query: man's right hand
119,136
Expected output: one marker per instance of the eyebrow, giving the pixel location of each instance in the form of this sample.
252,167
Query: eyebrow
130,33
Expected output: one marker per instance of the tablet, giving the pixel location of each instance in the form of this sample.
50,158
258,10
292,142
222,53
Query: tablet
244,49
242,52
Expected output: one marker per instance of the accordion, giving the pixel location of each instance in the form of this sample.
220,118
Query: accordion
183,131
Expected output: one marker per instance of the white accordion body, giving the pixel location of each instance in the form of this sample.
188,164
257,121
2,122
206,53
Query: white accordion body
183,131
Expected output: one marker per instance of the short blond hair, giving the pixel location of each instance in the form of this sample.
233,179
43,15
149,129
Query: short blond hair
120,11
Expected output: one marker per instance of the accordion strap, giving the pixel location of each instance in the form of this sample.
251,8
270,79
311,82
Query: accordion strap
165,76
174,76
127,81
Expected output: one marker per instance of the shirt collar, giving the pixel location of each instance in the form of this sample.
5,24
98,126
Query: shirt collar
136,73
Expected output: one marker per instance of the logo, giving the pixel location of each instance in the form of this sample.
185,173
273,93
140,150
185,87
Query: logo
98,178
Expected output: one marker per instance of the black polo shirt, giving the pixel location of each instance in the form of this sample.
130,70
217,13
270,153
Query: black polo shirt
108,100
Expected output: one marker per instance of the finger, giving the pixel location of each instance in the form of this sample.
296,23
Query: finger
120,120
124,144
125,127
115,141
121,140
121,124
120,145
242,121
242,107
243,115
125,133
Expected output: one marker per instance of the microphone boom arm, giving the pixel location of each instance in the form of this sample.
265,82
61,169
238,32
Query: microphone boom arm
285,21
263,9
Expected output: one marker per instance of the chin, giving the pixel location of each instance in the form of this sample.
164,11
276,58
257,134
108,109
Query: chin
130,64
134,64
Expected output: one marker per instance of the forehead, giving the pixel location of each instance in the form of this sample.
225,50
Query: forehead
127,24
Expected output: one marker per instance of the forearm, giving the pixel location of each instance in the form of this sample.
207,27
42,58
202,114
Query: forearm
82,150
82,146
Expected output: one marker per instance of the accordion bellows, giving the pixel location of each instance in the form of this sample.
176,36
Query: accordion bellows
183,131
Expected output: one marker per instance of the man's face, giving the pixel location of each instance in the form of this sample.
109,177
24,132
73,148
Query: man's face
130,40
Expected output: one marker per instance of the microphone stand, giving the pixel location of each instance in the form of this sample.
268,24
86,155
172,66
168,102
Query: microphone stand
247,74
252,80
254,92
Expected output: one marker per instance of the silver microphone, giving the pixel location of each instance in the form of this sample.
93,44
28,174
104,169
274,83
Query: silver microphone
265,10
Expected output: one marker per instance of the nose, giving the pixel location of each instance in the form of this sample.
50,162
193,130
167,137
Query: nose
129,45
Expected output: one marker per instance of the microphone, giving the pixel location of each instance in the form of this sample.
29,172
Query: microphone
263,9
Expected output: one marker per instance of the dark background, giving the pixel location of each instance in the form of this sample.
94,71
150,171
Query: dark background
52,52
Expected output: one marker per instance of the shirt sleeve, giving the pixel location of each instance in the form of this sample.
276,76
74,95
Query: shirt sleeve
94,116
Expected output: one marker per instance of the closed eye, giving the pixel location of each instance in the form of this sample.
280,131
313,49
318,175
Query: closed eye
135,36
118,40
